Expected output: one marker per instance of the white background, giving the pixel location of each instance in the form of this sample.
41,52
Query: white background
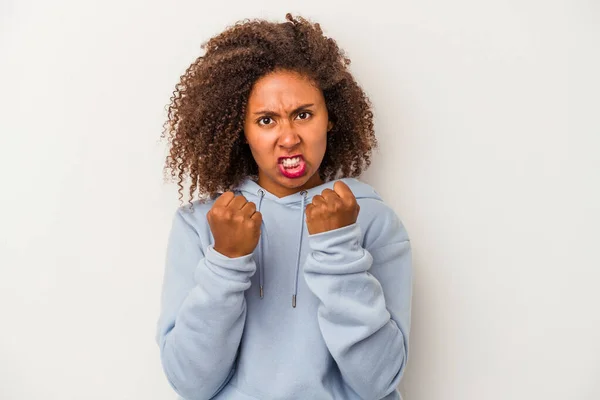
488,119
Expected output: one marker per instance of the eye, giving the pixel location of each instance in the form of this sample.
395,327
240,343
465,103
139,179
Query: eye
304,115
264,121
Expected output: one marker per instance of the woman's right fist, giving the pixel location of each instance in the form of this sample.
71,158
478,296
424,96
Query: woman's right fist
235,225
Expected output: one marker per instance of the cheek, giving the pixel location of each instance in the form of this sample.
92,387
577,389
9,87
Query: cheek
323,141
257,152
260,145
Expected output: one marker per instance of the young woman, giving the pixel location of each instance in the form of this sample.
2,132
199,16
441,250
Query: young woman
289,278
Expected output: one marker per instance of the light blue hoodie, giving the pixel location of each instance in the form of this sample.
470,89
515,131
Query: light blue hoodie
346,337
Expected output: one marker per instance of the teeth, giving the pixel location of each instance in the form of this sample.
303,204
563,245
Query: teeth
291,162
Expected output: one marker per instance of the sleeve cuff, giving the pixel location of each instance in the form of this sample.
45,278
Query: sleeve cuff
338,247
237,269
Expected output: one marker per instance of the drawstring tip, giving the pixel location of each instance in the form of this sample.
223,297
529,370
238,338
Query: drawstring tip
262,292
294,301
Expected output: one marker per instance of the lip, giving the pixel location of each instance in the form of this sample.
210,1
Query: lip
289,174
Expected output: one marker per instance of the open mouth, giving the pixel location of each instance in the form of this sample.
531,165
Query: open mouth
292,167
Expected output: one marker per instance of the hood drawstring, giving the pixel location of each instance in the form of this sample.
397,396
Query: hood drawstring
303,193
261,193
252,188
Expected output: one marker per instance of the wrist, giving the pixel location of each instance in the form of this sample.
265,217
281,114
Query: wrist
228,252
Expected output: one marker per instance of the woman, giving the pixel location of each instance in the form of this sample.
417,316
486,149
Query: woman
289,278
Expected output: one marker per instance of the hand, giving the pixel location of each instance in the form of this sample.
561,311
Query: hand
332,209
235,225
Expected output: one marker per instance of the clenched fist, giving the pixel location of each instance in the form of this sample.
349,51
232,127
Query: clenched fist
235,225
332,209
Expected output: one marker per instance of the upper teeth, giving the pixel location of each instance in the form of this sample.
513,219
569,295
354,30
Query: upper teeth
288,162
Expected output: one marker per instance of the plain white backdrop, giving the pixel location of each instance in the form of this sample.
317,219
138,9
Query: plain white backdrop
487,115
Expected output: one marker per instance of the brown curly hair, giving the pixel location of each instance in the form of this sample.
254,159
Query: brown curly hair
207,109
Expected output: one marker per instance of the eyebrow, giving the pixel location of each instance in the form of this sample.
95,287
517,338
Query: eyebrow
297,109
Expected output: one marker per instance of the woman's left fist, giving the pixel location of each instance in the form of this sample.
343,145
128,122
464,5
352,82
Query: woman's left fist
332,209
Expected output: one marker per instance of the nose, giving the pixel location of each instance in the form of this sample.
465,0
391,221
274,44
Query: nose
289,138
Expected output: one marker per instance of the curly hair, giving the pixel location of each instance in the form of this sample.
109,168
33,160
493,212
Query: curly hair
207,109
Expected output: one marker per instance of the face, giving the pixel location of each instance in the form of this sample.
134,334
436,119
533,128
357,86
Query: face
286,125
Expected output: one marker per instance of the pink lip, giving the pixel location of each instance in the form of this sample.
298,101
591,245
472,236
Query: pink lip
295,174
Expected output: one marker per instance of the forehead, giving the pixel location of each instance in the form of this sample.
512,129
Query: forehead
283,89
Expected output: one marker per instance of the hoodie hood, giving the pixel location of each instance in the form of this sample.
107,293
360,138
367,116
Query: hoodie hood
296,202
360,190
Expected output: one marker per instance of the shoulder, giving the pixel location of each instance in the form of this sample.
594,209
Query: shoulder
193,215
380,223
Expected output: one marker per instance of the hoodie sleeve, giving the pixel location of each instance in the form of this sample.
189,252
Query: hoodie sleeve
203,312
365,296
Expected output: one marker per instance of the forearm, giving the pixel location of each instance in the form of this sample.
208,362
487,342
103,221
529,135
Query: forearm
357,327
199,350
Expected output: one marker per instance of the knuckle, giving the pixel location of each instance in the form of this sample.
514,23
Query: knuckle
228,196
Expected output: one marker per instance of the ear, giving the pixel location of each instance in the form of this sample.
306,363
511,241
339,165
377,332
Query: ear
329,126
